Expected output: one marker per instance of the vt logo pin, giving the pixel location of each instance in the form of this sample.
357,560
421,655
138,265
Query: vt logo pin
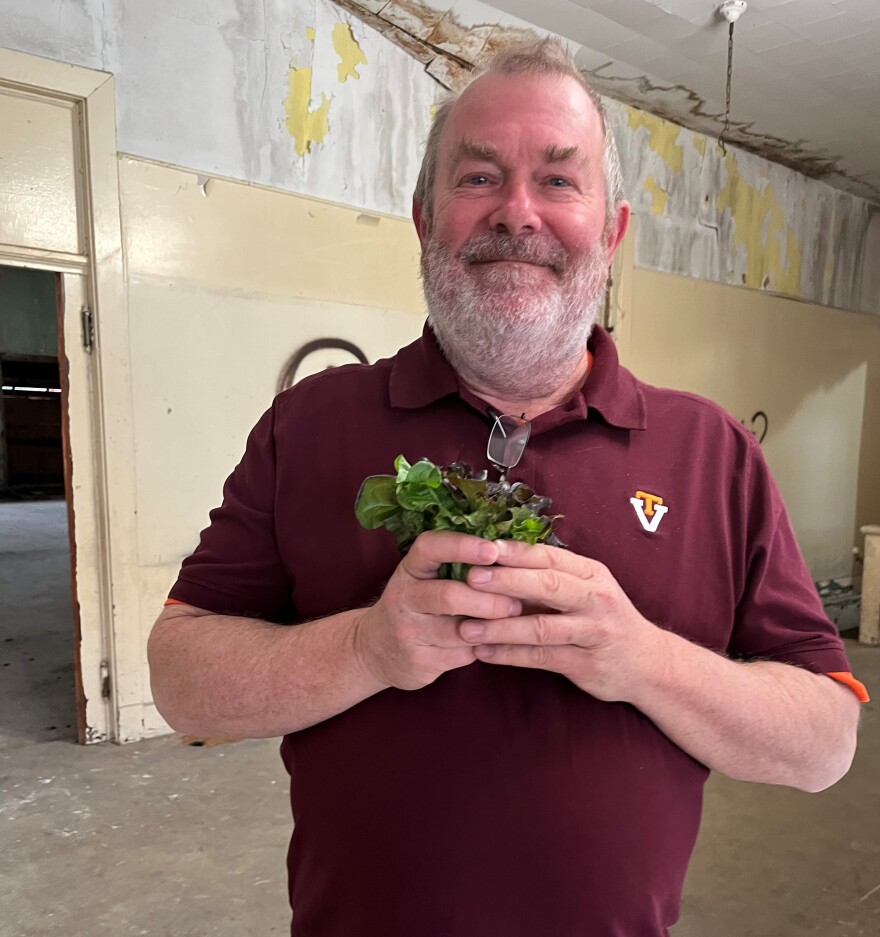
649,510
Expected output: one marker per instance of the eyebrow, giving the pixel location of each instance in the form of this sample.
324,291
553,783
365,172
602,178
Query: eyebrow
562,154
469,149
482,152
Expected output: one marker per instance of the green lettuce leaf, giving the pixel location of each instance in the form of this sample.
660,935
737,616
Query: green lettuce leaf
424,496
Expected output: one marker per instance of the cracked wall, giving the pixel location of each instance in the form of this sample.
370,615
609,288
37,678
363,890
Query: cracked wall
304,96
736,218
733,218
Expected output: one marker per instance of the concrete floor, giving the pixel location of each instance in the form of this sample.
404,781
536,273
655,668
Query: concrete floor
162,838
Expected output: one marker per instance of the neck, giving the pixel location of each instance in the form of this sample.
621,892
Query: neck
533,406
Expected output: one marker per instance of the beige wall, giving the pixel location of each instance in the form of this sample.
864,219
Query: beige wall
225,282
814,371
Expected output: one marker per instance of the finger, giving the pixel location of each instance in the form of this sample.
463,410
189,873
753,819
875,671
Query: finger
432,549
450,597
540,630
439,631
540,556
556,659
546,586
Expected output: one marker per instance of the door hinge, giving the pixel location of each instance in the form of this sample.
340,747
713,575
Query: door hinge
88,329
105,679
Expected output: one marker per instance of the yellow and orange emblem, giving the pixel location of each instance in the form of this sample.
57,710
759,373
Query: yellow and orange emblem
649,509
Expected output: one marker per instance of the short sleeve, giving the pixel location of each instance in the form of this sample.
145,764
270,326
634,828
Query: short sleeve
236,568
780,615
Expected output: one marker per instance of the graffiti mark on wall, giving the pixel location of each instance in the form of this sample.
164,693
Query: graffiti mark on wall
759,424
316,356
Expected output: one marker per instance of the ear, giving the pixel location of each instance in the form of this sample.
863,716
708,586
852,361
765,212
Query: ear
618,229
419,221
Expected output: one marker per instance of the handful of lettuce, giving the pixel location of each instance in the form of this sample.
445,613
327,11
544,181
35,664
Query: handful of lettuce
425,496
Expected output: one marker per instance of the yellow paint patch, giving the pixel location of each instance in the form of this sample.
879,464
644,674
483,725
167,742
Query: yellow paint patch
304,125
659,196
699,145
772,249
310,33
662,137
350,53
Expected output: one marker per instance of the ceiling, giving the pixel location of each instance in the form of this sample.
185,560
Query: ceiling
806,73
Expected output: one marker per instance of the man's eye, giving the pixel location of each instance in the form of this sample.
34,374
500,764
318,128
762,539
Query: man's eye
558,182
478,179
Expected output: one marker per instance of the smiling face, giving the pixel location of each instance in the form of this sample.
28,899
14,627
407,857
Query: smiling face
516,254
521,154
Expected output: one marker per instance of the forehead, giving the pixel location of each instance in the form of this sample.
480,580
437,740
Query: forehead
513,110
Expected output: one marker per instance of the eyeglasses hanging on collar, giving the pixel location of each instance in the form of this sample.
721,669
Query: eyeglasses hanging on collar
507,441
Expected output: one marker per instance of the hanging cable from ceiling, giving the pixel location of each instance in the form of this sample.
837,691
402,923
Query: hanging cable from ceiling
731,10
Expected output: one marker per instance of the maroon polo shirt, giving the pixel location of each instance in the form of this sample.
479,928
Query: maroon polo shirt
505,801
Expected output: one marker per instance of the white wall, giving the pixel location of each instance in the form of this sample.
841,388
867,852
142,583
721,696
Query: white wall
207,85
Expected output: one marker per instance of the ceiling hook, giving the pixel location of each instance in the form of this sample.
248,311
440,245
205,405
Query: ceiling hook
731,10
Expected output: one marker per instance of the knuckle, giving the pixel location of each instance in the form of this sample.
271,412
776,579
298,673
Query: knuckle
540,655
605,601
543,629
552,582
448,594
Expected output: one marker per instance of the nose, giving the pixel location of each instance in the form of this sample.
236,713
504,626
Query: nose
516,212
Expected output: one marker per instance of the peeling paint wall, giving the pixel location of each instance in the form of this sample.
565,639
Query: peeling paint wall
295,94
732,218
303,96
738,219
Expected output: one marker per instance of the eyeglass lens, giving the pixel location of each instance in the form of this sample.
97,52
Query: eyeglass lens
508,440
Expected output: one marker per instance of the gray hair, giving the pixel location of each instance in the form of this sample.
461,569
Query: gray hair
546,56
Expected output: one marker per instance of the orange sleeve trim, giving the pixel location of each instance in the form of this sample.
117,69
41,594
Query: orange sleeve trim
174,602
847,679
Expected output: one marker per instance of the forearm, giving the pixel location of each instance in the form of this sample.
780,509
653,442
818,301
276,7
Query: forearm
244,678
760,721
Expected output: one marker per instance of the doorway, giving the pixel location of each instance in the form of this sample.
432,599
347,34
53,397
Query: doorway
38,699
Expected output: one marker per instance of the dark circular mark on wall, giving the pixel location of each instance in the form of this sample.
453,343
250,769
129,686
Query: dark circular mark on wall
288,372
760,415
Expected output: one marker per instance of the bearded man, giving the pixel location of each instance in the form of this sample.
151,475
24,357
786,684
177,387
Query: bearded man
523,753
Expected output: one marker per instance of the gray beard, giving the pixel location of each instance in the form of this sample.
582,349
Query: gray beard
503,327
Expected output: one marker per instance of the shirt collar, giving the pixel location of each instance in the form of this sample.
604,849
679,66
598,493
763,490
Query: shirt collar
611,389
421,375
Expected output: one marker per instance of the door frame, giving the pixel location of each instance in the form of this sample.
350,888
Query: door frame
92,281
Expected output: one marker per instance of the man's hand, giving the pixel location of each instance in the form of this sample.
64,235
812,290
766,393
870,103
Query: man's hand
761,721
577,620
410,636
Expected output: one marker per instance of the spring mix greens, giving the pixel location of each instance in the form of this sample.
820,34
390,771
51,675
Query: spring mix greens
425,496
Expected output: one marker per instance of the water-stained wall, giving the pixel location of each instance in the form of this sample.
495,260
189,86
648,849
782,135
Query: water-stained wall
304,96
724,216
732,217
